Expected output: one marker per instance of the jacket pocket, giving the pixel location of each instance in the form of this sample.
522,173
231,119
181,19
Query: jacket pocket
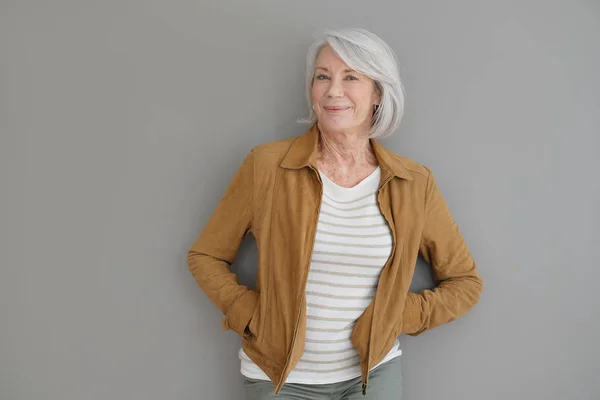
252,330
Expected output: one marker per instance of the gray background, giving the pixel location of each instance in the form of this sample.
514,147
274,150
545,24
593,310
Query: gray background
122,123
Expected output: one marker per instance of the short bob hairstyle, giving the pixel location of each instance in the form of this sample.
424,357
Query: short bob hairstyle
366,53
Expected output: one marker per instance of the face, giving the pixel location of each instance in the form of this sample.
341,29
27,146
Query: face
343,99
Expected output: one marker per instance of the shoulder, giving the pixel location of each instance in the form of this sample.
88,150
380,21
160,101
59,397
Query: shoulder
416,170
277,147
414,167
270,154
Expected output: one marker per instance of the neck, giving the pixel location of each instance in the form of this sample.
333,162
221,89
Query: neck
346,150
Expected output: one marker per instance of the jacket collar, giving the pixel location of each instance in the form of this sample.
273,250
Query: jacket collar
303,153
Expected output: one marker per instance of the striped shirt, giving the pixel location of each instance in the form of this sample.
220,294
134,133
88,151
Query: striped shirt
352,244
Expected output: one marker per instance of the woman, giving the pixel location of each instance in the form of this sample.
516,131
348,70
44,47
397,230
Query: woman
339,221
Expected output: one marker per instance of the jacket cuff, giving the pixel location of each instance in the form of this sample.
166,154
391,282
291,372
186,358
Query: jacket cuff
241,312
412,315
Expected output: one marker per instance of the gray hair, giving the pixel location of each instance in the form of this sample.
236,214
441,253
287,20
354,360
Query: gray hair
364,52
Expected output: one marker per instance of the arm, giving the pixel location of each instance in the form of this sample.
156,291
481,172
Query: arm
214,251
443,247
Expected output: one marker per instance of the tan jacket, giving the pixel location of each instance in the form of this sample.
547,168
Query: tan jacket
276,195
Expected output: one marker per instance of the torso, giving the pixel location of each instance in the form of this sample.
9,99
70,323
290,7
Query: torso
352,244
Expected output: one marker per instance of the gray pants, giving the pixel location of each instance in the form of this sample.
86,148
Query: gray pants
385,383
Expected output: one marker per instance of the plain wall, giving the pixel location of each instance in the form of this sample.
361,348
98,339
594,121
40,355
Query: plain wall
122,123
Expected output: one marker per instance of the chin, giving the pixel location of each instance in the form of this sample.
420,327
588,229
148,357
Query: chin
338,126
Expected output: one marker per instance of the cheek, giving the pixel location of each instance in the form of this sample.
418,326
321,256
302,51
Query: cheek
361,106
361,99
316,92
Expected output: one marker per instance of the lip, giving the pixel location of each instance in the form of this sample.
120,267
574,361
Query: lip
336,109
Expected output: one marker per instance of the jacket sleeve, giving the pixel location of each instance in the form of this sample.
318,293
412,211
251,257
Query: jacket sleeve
443,247
214,251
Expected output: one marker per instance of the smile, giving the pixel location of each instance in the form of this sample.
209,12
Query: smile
336,109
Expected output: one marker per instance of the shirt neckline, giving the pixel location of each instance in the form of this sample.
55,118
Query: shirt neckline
367,179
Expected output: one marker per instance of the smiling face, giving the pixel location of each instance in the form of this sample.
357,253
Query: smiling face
343,99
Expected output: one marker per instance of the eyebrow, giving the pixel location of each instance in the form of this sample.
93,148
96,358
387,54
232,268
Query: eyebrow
326,70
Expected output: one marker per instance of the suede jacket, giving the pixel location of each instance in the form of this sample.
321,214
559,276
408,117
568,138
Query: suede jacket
276,195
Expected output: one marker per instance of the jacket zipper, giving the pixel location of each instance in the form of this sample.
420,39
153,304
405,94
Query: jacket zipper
365,382
316,220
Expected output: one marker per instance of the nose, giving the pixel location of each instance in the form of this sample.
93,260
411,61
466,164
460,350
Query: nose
335,89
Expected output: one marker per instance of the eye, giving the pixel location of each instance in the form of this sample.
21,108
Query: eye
321,77
351,78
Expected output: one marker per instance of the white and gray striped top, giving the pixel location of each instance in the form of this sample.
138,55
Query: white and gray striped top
352,244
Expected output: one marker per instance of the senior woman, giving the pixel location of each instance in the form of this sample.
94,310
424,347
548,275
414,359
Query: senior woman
339,221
